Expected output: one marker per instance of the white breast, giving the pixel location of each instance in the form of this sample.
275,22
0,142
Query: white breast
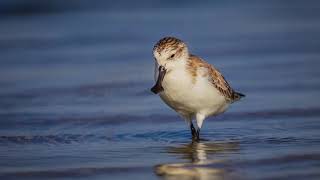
188,97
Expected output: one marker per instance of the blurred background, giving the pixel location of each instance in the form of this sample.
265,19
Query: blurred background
75,100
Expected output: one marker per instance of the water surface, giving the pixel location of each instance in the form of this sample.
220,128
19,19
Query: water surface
75,99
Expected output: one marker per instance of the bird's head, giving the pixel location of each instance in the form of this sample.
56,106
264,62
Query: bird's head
169,53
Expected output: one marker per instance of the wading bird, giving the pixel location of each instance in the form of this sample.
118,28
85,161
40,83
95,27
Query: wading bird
189,85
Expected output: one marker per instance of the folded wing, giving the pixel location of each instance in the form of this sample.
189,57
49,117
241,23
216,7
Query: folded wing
216,79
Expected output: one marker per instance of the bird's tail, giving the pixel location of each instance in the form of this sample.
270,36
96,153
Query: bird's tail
237,96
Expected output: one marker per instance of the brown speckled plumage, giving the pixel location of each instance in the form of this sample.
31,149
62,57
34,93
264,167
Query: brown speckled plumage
167,43
214,76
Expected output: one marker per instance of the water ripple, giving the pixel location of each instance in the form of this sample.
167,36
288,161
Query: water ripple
72,172
157,136
111,120
51,139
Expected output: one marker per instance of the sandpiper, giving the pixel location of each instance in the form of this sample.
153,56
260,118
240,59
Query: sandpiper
189,85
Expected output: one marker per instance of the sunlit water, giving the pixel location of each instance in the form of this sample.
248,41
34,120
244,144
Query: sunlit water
75,99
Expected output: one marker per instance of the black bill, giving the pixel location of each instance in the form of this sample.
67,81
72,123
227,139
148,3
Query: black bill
158,86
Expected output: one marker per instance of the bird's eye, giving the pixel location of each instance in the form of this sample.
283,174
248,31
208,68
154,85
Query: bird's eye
172,56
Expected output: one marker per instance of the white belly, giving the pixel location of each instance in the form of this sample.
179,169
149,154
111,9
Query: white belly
188,98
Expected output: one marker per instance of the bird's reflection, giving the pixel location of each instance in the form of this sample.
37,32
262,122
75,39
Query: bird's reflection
200,161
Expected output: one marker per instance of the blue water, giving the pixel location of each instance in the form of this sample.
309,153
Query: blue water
75,99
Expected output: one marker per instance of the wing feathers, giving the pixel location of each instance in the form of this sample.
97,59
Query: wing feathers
215,77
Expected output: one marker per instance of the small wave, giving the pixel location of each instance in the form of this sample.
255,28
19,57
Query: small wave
276,140
295,112
98,90
275,160
111,120
73,172
51,139
158,136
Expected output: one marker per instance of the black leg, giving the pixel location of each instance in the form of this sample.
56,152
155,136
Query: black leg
193,130
198,134
195,133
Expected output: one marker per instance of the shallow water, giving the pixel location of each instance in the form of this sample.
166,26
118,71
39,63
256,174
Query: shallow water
75,99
